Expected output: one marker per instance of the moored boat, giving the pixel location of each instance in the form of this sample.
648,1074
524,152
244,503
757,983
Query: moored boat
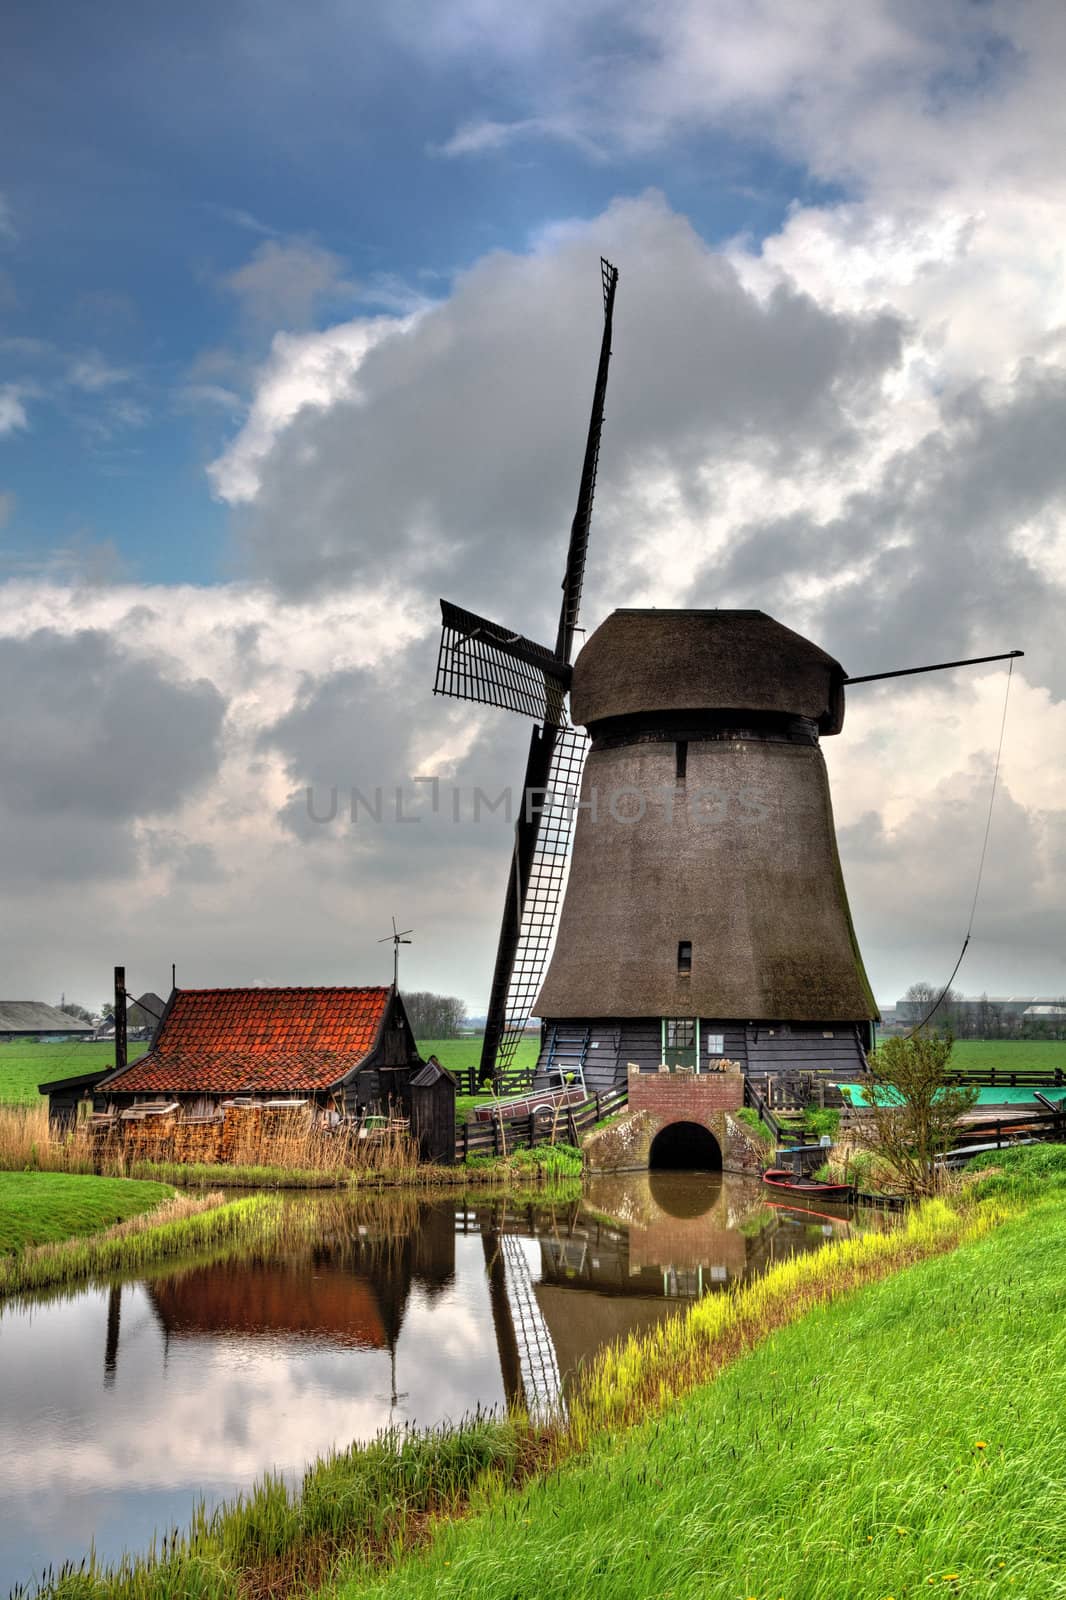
781,1178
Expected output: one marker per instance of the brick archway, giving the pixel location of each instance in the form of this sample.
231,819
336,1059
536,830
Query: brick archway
685,1145
661,1100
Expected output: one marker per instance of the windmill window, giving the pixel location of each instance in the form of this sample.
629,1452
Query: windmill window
716,1044
680,1033
680,760
684,956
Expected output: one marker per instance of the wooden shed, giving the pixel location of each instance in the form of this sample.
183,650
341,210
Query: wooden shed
432,1092
65,1095
346,1050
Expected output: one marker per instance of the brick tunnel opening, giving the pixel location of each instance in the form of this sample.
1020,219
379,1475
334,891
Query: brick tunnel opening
685,1147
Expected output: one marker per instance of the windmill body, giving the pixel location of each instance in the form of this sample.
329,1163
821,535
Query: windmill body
705,914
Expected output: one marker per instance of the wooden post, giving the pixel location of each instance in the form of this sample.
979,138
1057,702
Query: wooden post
120,1018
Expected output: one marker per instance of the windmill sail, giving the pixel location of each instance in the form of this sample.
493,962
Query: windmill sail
489,665
574,577
537,909
484,662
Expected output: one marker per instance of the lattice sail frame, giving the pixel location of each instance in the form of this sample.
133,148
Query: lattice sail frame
545,887
481,661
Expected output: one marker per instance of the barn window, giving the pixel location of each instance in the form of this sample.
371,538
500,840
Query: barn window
680,760
684,955
680,1033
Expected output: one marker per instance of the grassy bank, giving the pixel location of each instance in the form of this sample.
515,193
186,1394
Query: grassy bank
546,1163
43,1207
904,1438
180,1227
372,1503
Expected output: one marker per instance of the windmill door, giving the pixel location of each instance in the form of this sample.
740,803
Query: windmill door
681,1042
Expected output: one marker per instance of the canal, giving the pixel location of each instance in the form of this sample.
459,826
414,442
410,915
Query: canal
122,1406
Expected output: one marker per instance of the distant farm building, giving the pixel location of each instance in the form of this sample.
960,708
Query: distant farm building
987,1016
143,1017
32,1019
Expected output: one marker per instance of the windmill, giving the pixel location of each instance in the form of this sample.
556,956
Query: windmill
492,665
704,915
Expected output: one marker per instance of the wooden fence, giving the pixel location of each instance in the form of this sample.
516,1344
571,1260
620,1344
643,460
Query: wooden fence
515,1081
994,1078
504,1134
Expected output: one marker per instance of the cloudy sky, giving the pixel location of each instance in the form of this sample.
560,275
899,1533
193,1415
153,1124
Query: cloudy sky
299,312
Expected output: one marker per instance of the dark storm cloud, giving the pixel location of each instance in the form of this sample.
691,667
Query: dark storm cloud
458,461
96,739
933,542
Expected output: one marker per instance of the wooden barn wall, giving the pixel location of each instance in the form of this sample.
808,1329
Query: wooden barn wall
615,1042
834,1048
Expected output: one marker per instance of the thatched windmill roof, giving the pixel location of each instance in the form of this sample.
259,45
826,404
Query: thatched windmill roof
712,889
642,662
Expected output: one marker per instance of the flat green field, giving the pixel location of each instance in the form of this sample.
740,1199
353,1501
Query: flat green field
1009,1055
457,1054
24,1066
41,1207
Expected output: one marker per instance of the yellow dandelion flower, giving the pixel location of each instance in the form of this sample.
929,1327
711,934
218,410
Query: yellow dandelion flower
950,1577
979,1444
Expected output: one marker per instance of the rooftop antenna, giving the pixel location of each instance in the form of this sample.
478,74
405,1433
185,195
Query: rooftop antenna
396,940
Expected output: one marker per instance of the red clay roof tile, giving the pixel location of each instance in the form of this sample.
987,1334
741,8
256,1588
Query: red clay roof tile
242,1041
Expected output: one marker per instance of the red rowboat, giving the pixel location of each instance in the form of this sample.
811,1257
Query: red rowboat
781,1178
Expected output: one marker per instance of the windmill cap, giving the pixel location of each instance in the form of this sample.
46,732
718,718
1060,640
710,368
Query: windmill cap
639,662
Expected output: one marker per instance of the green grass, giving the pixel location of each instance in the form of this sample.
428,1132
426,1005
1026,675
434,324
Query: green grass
752,1121
458,1054
465,1104
24,1066
369,1504
890,1431
1024,1173
1008,1055
905,1440
256,1223
547,1160
41,1207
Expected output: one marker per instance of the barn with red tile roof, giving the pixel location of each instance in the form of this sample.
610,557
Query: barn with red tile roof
345,1048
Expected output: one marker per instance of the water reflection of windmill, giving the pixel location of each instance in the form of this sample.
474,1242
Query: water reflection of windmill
704,915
